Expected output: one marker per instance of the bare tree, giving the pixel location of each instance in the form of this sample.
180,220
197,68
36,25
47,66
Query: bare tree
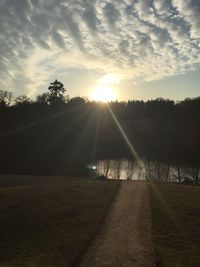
129,169
107,167
23,100
167,172
5,98
104,168
118,168
178,173
195,173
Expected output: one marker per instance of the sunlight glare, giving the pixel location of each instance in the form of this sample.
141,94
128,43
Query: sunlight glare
103,94
103,91
109,79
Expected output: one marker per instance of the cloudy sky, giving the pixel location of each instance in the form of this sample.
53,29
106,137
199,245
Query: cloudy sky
142,49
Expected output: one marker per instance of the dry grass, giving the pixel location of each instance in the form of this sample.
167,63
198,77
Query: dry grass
125,239
49,221
176,223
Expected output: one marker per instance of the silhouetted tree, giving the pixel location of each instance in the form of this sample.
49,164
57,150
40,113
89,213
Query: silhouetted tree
23,100
78,132
117,168
57,92
77,101
5,98
43,99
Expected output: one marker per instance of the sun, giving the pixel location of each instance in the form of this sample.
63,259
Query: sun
103,93
105,90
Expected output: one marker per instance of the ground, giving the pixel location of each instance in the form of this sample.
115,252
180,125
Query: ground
59,221
125,239
49,221
176,222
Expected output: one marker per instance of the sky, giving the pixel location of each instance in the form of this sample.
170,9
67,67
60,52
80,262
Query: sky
141,49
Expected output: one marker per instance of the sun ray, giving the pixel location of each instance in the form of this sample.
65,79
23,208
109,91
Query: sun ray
133,151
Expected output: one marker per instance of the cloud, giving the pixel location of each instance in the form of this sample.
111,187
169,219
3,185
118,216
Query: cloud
140,40
189,10
111,13
162,7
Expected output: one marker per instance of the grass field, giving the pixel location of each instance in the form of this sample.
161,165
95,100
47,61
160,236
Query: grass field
48,221
176,224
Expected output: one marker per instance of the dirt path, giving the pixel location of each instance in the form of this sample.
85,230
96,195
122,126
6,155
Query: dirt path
125,238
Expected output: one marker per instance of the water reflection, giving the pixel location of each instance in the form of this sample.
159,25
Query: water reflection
121,169
153,170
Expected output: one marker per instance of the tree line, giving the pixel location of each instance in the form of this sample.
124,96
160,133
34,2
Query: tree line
58,135
55,95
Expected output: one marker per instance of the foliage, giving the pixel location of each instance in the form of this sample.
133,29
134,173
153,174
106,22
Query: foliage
57,91
77,101
43,99
64,138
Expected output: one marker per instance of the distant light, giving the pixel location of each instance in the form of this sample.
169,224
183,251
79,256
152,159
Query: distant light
91,167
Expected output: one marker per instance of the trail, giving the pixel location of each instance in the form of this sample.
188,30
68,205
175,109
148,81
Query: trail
125,237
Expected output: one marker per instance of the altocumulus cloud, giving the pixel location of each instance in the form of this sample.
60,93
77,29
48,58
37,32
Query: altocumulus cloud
141,40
